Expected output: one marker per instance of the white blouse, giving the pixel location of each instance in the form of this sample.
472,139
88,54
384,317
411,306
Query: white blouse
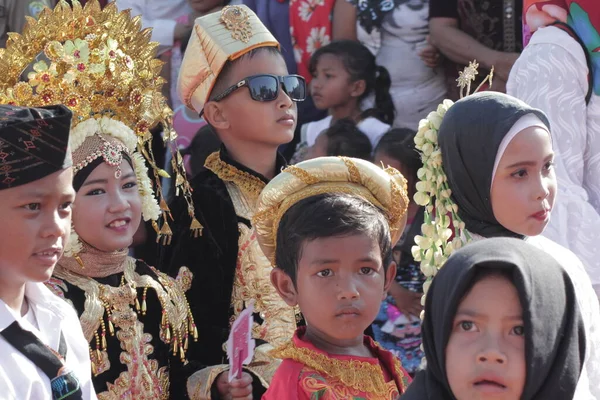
552,74
372,127
588,387
49,315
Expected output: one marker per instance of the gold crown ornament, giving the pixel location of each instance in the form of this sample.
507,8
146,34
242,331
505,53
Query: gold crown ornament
384,188
102,65
219,37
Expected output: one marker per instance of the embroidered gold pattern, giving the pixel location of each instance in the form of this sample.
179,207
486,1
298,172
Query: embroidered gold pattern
302,175
237,21
252,277
352,170
359,375
110,306
339,187
249,184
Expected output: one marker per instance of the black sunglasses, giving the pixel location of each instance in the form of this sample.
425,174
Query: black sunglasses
265,87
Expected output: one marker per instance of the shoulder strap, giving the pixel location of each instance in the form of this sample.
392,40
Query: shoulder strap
64,384
573,34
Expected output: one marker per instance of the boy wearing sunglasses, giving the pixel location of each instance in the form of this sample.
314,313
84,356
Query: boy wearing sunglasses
234,75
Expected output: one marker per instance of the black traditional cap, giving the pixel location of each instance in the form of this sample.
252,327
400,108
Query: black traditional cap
33,143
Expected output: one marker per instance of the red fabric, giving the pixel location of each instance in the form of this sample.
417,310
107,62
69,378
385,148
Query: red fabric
295,381
310,28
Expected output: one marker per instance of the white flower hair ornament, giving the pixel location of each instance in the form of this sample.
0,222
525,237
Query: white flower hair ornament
441,221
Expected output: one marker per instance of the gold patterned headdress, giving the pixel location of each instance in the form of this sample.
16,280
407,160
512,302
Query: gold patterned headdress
434,246
100,64
217,38
385,189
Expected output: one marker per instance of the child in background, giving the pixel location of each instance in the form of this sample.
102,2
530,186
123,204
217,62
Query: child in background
44,352
398,326
344,74
328,226
343,138
501,321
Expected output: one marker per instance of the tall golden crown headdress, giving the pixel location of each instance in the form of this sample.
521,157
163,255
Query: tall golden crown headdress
102,65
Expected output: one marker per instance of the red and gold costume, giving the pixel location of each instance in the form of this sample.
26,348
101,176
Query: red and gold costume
308,373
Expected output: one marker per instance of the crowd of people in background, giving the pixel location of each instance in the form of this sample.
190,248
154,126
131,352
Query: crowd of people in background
373,70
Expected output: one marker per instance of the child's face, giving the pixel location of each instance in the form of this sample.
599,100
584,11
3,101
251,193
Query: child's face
485,355
36,221
340,285
272,122
524,186
107,210
330,86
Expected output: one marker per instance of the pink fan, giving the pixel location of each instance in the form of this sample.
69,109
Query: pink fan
240,345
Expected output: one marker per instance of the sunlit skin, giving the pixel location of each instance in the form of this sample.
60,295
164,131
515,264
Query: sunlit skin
238,115
524,187
485,355
37,219
340,285
108,210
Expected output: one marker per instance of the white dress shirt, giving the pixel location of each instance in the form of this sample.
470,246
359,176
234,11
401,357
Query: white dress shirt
49,315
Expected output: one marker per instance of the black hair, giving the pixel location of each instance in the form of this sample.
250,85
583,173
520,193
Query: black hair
203,144
360,64
80,177
399,144
345,139
328,215
223,80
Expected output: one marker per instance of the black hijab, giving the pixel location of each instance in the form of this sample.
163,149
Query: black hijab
469,139
554,331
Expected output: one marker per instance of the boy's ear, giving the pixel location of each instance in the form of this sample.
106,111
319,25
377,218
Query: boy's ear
358,88
284,286
215,114
390,275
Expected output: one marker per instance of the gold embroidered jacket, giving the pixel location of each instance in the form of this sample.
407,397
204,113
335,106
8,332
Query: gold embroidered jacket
138,326
229,271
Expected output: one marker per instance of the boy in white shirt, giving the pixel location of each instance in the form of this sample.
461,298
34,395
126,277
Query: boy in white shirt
44,352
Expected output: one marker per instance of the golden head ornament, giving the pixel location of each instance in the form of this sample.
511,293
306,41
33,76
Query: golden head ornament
384,188
103,66
219,37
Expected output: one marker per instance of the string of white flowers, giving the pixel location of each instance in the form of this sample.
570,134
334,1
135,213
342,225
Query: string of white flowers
434,247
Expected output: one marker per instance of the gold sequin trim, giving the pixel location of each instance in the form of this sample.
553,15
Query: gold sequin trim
226,172
359,375
352,170
301,174
237,20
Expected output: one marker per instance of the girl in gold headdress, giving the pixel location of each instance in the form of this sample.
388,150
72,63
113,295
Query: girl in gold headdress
99,64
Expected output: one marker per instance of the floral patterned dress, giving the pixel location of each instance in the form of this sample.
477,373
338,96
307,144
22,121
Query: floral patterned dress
310,28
